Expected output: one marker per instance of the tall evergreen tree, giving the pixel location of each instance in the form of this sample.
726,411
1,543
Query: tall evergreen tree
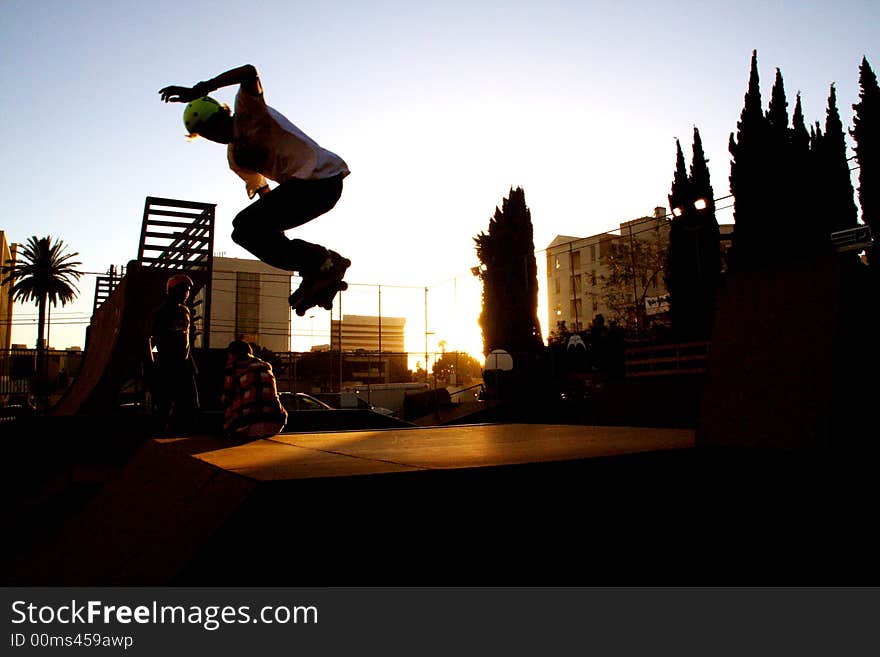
866,134
509,272
710,232
679,264
780,223
816,137
701,184
694,264
805,234
838,197
748,176
777,110
680,193
800,138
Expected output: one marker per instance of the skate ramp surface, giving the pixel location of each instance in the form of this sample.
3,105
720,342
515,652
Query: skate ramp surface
116,341
322,506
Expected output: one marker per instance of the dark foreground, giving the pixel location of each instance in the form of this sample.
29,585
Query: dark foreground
90,503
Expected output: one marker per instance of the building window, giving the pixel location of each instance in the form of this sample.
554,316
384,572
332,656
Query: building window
593,278
577,311
592,253
557,284
575,260
577,284
247,303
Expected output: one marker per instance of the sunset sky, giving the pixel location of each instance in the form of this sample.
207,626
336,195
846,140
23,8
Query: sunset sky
438,109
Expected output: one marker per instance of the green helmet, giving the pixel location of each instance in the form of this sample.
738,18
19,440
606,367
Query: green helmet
199,111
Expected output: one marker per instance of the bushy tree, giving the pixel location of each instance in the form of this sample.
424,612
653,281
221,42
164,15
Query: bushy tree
635,265
559,335
456,366
509,273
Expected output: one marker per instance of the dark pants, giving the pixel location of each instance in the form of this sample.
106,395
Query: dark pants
176,396
260,227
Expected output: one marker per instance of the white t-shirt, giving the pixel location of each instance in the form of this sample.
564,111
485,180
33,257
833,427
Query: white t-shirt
265,144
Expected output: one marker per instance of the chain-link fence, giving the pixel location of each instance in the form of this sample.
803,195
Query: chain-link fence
25,381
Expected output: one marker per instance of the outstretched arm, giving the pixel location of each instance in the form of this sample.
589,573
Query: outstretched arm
245,75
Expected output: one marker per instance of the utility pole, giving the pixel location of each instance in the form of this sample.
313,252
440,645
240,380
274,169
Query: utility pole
426,334
632,257
339,334
574,294
381,371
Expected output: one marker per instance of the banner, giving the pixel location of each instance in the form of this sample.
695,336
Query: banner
166,622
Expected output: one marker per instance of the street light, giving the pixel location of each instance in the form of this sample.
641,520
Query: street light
699,204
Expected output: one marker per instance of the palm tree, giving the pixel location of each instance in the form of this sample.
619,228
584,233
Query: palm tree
42,273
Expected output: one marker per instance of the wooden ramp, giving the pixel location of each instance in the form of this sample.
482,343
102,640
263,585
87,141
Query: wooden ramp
301,508
301,456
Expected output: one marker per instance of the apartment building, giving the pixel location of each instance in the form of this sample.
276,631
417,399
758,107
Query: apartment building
362,333
7,254
576,267
249,301
361,337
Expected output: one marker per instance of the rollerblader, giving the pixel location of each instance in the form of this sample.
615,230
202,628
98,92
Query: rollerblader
263,145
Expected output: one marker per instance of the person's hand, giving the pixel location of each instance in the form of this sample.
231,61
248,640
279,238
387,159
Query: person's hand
174,94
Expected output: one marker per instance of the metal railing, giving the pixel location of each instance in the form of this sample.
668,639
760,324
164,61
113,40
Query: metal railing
21,383
661,360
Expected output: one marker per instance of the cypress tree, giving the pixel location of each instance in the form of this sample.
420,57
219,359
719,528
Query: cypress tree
777,110
701,185
694,264
805,236
709,231
680,193
780,223
509,318
818,196
800,138
747,175
679,264
835,167
866,134
816,137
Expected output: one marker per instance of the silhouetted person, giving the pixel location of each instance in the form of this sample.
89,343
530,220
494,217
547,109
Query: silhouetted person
250,395
262,144
174,386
